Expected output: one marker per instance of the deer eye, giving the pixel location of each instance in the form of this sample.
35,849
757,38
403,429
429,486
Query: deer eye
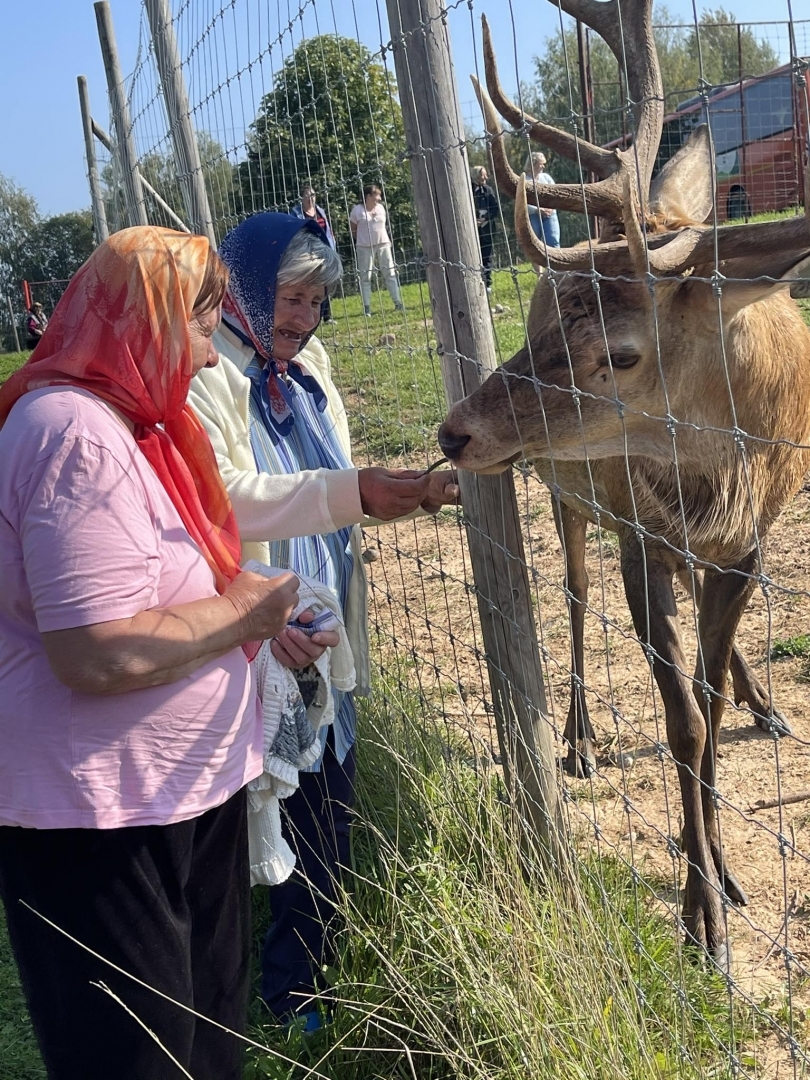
621,360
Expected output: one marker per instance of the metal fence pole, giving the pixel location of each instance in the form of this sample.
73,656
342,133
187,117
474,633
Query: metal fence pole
96,201
133,192
186,151
13,323
435,139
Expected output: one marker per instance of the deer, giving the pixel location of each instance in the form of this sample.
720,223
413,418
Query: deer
663,392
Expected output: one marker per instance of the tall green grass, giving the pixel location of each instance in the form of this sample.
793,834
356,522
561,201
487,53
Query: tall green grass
457,960
9,362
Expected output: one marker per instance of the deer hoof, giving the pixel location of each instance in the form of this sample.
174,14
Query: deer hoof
777,725
703,917
733,889
580,761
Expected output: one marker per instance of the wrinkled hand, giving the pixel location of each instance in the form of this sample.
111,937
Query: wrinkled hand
391,493
443,489
264,605
294,649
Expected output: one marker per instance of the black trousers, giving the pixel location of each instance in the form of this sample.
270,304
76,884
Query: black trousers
168,904
485,238
316,824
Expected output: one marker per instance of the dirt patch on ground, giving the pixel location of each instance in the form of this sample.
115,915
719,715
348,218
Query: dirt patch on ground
425,616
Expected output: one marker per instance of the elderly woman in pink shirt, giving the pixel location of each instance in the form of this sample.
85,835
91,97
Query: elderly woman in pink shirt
129,721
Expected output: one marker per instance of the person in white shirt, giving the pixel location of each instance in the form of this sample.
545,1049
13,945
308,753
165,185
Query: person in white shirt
373,244
545,222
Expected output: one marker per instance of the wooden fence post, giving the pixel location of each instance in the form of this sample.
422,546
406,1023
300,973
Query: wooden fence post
133,192
97,203
186,151
434,133
13,318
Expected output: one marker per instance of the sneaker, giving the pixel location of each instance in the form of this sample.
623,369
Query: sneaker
489,288
366,310
399,306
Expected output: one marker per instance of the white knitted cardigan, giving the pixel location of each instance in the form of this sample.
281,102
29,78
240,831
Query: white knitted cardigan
291,738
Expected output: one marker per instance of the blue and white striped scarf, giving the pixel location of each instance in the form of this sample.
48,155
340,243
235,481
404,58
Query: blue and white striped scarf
310,443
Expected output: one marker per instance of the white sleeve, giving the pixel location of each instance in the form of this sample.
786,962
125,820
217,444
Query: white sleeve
269,507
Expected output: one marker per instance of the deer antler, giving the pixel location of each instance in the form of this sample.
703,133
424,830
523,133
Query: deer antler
602,199
638,57
601,162
668,253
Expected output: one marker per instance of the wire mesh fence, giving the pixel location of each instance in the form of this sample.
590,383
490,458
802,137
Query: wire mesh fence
656,415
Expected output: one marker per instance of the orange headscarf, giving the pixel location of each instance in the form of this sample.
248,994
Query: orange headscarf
121,332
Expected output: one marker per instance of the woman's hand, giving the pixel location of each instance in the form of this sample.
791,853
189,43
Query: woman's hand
443,489
392,493
264,604
162,645
294,649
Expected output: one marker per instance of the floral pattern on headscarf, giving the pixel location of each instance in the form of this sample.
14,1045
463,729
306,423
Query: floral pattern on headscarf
121,332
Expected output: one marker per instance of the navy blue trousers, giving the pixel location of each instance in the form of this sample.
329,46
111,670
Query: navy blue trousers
316,822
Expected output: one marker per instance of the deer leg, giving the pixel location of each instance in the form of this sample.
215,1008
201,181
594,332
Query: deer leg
579,733
725,596
748,689
650,595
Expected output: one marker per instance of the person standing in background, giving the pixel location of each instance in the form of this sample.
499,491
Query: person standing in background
367,221
545,222
486,214
308,209
35,325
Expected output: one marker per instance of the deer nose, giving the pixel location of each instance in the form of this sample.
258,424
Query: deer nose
451,444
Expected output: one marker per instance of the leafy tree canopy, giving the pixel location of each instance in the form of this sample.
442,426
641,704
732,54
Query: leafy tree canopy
159,170
37,248
332,119
57,246
19,218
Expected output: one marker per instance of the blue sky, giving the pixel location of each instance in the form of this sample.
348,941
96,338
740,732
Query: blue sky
49,42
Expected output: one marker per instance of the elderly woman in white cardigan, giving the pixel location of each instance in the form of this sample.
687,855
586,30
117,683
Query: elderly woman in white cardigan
281,437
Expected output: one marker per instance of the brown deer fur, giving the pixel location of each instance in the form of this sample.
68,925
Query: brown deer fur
678,415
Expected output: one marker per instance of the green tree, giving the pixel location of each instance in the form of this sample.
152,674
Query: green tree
159,170
37,248
19,217
57,246
332,119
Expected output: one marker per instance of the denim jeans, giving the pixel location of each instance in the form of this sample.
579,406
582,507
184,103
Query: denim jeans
545,228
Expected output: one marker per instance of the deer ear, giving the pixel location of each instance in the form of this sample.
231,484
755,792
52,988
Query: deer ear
684,188
747,280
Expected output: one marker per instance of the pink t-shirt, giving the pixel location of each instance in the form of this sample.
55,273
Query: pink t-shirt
88,535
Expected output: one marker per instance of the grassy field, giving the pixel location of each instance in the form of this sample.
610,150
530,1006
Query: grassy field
10,362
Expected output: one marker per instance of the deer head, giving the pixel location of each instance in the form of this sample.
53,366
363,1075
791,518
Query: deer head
635,328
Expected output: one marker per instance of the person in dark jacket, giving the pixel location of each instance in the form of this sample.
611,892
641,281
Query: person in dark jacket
308,209
486,214
35,324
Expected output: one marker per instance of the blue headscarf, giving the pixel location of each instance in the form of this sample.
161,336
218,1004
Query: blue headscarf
253,252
